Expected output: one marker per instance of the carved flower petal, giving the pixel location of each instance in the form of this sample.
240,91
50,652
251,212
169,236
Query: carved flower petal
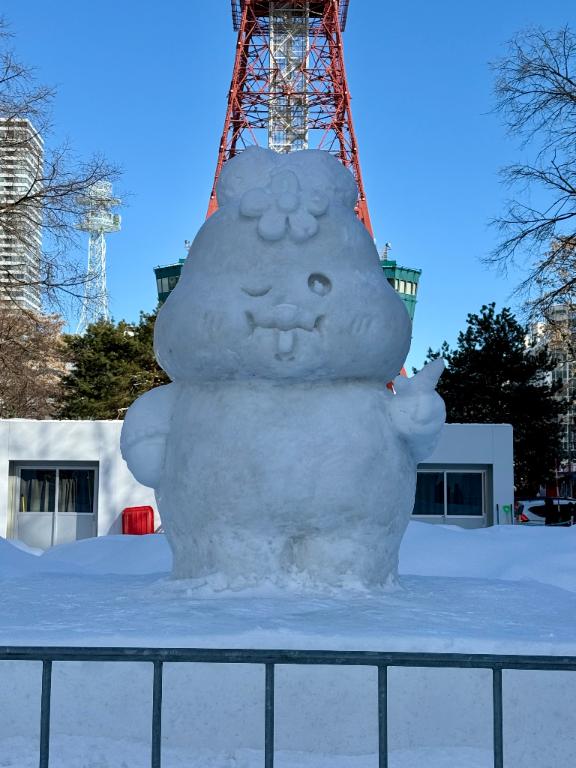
317,202
254,202
272,225
303,225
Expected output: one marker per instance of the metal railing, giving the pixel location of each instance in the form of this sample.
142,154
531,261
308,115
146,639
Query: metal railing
270,659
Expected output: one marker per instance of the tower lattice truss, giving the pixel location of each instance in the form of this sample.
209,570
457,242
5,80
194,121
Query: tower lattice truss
95,299
289,88
98,220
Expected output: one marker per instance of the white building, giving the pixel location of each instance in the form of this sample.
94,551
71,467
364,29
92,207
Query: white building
469,479
66,480
21,171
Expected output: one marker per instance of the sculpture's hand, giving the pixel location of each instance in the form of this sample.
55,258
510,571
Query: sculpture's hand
144,432
417,410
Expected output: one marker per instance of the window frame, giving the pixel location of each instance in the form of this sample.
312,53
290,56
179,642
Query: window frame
445,517
15,474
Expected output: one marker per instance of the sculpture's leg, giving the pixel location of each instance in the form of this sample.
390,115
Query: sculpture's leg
349,554
235,557
251,556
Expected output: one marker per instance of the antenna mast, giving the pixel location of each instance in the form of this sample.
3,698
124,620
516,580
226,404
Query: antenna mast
98,220
289,87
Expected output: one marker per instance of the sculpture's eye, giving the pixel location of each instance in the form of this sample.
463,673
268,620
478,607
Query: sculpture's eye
256,292
319,284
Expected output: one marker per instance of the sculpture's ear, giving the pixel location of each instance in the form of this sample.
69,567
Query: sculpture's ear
251,168
318,169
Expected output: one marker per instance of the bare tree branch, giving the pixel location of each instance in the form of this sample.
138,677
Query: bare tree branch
535,92
49,201
33,363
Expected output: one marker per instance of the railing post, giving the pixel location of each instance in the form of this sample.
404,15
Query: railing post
157,716
382,717
497,712
45,714
269,718
270,659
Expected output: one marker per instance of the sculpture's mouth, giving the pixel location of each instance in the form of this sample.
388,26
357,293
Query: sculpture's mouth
286,331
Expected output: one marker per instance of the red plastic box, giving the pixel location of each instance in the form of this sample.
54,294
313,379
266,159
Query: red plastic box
137,521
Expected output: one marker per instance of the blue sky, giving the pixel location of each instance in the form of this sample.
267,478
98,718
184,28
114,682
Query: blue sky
146,85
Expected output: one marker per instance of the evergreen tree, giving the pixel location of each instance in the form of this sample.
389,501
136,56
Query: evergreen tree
492,376
110,366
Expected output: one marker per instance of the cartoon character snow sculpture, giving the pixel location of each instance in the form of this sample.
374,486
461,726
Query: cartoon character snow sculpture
277,451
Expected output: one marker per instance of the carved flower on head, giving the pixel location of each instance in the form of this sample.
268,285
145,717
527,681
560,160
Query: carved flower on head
282,207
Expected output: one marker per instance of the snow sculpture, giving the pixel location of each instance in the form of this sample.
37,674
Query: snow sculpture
278,452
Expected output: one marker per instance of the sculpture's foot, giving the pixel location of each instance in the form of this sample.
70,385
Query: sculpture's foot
239,559
230,559
342,557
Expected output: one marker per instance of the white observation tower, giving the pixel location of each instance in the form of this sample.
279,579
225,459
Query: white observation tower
98,220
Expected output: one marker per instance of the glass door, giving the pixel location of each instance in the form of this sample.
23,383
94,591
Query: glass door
75,516
36,507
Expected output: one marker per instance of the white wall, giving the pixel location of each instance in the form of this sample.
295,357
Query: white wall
63,441
99,442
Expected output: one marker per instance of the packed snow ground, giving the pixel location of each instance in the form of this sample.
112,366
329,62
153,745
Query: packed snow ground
501,590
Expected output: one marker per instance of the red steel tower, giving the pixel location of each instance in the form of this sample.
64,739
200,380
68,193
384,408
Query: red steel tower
289,87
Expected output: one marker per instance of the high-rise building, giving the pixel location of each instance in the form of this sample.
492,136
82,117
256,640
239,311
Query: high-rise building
21,170
561,333
558,331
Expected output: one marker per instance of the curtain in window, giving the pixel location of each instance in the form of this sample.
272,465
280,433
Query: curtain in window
67,494
464,493
76,491
37,490
429,494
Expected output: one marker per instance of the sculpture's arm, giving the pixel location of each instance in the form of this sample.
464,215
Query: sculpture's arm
417,410
146,426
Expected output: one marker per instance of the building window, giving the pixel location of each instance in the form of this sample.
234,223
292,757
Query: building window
64,490
76,491
429,494
37,490
54,505
450,494
464,494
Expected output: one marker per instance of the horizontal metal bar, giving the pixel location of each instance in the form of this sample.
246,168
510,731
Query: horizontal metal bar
265,656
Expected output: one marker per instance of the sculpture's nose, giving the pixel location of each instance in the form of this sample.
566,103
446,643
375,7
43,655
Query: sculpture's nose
285,314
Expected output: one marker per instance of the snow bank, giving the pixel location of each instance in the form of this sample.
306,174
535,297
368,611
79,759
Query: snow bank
510,553
119,555
498,590
14,561
106,753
